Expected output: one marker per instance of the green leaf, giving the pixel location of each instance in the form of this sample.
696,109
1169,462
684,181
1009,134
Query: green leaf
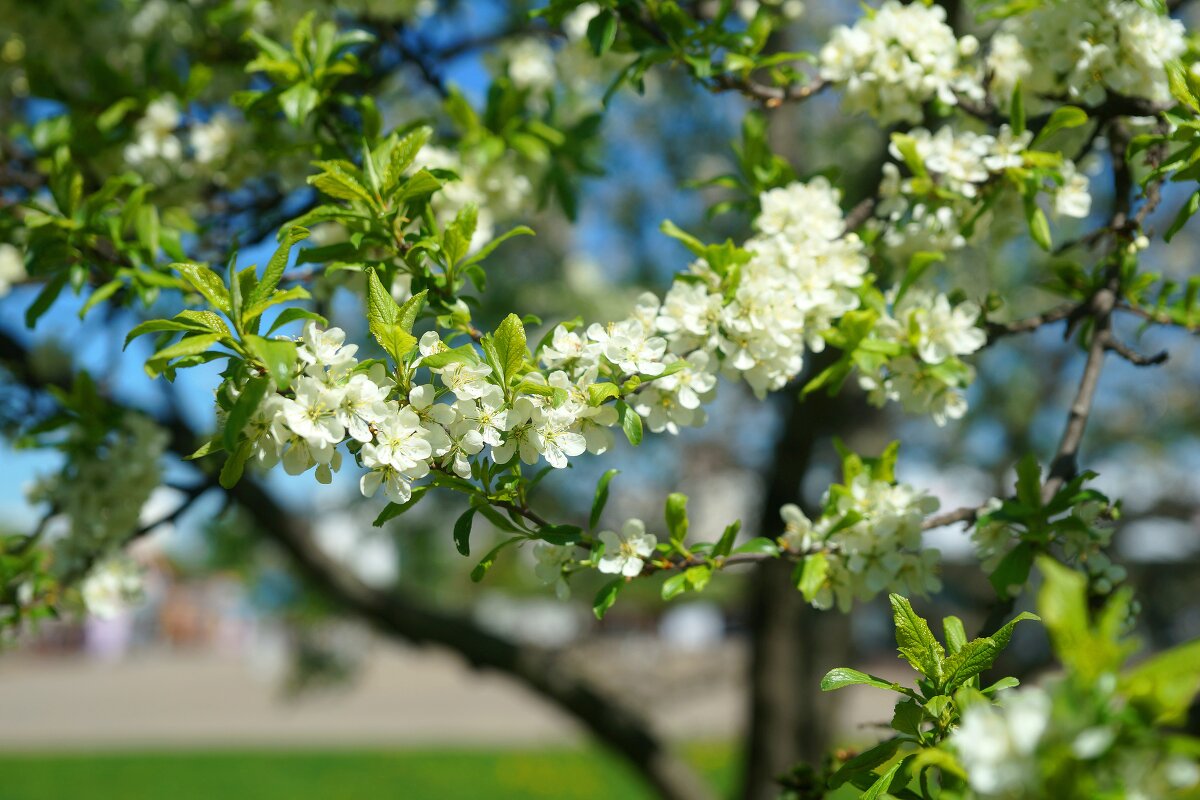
1186,212
1029,481
1013,569
275,267
725,543
45,298
979,654
206,282
403,155
865,761
298,102
247,403
99,295
189,346
677,517
602,32
1000,685
409,310
600,499
1017,113
486,250
631,423
841,677
486,563
917,266
606,597
393,510
883,786
1165,684
1061,118
908,717
383,318
235,464
1039,226
458,355
163,325
277,355
511,349
674,586
462,531
956,634
915,640
814,571
759,544
289,315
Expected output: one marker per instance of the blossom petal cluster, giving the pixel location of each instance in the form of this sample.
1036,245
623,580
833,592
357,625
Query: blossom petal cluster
102,488
895,60
1084,50
870,533
918,214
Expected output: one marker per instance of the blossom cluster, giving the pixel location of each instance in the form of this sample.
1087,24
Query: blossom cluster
1083,50
12,267
751,319
870,533
495,187
101,490
1036,738
112,586
895,60
1083,540
913,217
157,136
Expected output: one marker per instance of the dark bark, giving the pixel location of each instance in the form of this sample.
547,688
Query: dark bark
792,645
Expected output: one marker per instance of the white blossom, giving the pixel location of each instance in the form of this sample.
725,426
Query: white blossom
626,553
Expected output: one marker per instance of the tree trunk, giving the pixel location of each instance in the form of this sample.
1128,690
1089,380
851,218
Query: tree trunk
792,644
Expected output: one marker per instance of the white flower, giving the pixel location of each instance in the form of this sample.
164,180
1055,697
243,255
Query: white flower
531,64
893,61
1073,198
435,417
313,415
12,267
523,435
551,559
362,405
558,441
325,351
111,587
154,133
942,331
486,415
1084,49
212,141
996,745
626,554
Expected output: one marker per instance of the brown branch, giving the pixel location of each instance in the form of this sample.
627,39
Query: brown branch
997,330
1126,352
1065,462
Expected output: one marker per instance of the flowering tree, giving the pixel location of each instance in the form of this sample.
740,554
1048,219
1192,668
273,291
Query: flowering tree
135,163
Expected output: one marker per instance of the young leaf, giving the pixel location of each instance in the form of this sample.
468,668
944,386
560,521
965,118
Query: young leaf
277,355
511,349
606,597
206,282
462,532
813,572
915,640
725,543
841,677
275,267
601,497
677,517
247,403
631,423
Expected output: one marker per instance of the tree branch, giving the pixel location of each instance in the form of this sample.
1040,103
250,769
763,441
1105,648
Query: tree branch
397,615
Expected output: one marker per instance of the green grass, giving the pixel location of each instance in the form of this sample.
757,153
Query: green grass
331,775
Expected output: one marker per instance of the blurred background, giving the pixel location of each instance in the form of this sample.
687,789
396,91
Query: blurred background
240,674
